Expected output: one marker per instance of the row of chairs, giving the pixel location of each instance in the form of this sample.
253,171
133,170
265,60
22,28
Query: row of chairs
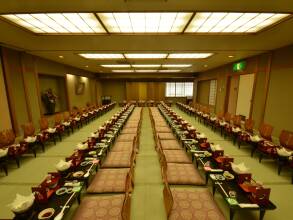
178,169
10,150
115,176
143,103
243,132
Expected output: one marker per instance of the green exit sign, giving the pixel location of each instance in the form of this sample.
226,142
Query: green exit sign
240,66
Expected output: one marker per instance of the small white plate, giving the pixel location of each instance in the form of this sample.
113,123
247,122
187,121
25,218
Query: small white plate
46,213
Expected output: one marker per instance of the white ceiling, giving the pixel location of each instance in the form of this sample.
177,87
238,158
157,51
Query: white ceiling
240,46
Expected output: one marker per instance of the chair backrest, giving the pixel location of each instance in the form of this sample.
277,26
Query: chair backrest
58,119
168,198
28,129
290,143
220,115
66,116
227,117
249,123
286,139
44,124
266,131
7,137
237,120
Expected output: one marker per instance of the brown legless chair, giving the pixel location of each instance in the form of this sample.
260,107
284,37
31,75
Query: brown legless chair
60,128
265,147
244,136
44,126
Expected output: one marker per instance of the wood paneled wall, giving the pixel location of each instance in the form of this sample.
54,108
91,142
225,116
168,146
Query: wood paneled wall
145,91
20,80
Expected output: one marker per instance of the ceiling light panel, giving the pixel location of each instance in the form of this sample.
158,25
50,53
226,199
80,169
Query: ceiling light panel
146,65
223,22
176,65
169,71
145,55
102,55
150,22
58,23
116,66
122,71
189,55
146,71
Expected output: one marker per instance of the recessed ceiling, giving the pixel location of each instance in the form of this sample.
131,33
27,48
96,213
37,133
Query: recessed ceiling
145,22
214,37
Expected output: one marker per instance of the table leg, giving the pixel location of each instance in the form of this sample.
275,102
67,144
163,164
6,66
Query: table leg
232,212
78,198
207,178
214,189
253,150
261,214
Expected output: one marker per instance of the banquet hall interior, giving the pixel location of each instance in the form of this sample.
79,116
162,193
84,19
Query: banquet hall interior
146,110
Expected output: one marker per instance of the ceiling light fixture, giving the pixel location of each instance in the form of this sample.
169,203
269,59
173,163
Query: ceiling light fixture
189,55
146,71
149,22
145,65
58,23
169,71
122,71
145,55
230,56
176,65
61,57
102,55
232,22
116,65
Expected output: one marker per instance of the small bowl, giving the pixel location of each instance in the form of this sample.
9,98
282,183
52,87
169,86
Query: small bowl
46,213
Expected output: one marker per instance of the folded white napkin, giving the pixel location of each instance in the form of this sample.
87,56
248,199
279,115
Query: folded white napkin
81,146
239,168
77,118
63,165
66,123
22,203
30,139
3,152
216,147
95,135
222,123
283,152
201,135
236,129
255,138
213,118
51,130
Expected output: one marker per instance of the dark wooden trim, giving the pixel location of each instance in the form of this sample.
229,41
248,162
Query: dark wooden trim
227,96
27,101
254,87
38,86
267,85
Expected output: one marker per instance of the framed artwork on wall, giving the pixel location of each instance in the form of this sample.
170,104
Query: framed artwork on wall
79,88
